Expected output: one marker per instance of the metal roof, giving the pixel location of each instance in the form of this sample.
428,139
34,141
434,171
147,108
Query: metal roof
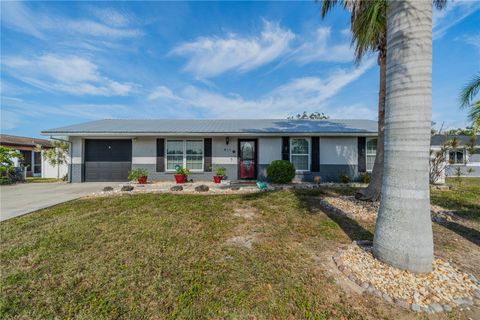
224,126
463,140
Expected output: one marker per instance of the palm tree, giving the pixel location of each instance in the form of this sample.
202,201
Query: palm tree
403,232
466,97
369,34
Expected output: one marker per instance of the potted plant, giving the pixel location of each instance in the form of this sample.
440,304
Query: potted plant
219,174
181,174
138,174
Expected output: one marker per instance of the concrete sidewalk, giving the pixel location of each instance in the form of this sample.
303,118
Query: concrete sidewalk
19,199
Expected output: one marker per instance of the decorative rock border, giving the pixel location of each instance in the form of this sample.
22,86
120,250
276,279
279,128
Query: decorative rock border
467,284
207,188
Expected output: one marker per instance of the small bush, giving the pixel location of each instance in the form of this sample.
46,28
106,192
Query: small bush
344,178
364,177
220,171
281,171
135,174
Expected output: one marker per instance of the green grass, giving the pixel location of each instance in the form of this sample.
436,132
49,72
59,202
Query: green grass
42,180
168,256
463,197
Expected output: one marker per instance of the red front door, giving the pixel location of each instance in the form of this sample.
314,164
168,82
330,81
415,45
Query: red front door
247,155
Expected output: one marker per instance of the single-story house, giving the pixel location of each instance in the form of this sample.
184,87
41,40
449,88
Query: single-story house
105,150
461,158
33,161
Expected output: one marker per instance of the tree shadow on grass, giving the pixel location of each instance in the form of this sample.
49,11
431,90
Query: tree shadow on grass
309,200
467,233
352,228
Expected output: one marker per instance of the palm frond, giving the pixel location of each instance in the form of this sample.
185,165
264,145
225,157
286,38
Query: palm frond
327,6
470,91
474,114
369,27
440,4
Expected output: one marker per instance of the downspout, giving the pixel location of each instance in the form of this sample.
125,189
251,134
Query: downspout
70,154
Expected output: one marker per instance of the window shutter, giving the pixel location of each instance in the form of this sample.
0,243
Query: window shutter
286,148
362,157
207,151
315,155
160,155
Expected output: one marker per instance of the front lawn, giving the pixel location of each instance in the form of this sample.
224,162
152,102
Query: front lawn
463,197
170,256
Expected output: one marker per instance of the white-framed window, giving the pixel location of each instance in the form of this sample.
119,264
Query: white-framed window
371,152
456,156
185,153
300,153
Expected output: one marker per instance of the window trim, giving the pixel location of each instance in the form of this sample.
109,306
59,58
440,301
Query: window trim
184,155
464,155
309,154
367,154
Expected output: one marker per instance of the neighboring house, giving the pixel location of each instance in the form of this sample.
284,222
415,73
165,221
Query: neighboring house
33,160
469,163
106,150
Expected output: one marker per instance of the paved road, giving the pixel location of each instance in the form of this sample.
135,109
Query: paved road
23,198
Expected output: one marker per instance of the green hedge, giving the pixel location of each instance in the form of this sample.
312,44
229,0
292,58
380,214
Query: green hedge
281,171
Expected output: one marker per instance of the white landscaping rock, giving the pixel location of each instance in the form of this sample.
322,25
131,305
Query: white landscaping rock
433,292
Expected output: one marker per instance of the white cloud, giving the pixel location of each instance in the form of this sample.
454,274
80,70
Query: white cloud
69,74
308,93
18,16
208,57
473,40
9,120
111,16
161,92
319,49
452,14
212,56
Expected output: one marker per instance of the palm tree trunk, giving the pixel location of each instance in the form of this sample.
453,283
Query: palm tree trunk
372,192
403,233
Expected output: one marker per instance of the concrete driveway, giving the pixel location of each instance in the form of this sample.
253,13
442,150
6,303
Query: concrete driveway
19,199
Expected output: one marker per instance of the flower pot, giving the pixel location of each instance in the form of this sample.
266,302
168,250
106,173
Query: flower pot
217,179
142,180
180,178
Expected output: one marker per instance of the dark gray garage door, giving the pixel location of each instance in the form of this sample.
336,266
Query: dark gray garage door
107,160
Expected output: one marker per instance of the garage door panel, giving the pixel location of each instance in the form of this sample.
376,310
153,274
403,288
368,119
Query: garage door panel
106,171
107,160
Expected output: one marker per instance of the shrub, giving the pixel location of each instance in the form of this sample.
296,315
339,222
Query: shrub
135,174
364,177
182,170
281,171
344,178
220,171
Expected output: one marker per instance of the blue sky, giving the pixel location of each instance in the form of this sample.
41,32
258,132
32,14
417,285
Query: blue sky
68,62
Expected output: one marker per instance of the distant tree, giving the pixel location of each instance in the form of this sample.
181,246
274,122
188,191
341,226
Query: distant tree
468,131
311,116
56,156
7,170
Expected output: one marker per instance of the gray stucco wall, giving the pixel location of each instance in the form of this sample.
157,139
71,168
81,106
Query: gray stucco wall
469,170
76,161
337,155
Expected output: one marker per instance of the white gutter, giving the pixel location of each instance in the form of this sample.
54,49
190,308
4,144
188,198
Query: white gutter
211,134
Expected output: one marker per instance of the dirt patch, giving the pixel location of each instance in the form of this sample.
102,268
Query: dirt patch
244,241
245,212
